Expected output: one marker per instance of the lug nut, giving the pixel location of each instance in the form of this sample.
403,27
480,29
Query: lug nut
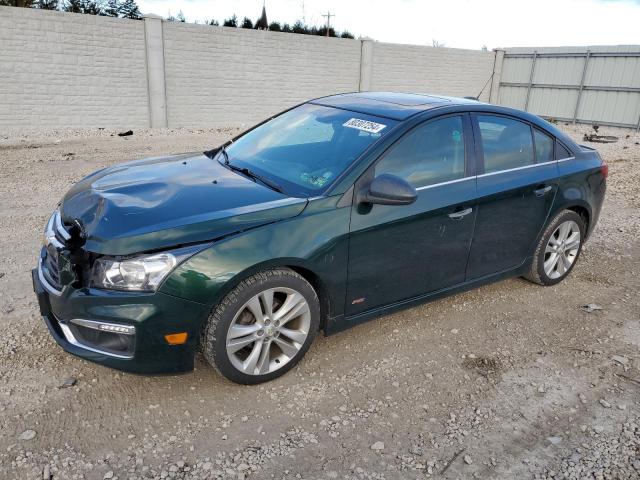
260,333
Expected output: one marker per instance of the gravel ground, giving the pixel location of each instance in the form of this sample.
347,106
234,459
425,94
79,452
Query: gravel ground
511,380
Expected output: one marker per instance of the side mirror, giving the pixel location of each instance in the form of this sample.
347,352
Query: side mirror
388,189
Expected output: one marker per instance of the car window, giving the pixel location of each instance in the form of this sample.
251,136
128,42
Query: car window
506,143
562,152
544,146
306,148
431,153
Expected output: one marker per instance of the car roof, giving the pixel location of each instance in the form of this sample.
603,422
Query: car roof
394,105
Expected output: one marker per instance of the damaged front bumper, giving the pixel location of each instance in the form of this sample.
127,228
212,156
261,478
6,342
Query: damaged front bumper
122,330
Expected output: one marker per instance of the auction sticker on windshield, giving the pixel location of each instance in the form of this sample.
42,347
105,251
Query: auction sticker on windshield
364,125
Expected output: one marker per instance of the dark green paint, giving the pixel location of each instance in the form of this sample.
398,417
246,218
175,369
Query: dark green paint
382,257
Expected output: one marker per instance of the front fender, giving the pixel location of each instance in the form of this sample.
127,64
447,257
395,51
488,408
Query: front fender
316,240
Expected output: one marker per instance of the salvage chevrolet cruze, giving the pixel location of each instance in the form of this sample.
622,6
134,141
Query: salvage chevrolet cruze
336,211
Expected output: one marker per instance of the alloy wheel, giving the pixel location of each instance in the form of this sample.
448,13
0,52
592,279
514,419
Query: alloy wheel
268,331
562,249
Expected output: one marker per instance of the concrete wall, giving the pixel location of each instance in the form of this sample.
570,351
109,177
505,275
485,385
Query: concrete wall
71,70
68,70
445,71
232,75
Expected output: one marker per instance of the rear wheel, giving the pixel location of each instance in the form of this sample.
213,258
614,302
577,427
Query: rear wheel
558,250
263,327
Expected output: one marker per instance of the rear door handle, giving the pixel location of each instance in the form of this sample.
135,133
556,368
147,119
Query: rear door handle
460,214
541,192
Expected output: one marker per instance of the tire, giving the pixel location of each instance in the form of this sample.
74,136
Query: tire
282,336
564,237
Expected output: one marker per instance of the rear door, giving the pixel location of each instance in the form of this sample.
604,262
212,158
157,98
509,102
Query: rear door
517,181
400,252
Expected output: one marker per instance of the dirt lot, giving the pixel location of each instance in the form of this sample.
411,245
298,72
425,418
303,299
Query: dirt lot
508,381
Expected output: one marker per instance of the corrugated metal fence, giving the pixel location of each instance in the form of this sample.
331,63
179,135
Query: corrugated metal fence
596,85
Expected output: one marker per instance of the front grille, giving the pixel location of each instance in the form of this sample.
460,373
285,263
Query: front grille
56,239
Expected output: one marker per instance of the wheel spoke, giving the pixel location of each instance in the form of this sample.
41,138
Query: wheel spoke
256,309
249,365
550,263
263,361
553,240
297,336
565,228
550,249
566,263
560,265
236,344
294,306
267,301
288,349
237,330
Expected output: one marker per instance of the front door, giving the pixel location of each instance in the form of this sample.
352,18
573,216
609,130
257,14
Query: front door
516,187
400,252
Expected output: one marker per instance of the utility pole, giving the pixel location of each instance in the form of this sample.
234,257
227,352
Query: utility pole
328,15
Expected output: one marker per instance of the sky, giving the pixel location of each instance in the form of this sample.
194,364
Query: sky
454,23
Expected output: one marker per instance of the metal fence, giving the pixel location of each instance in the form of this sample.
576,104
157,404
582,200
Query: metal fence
594,85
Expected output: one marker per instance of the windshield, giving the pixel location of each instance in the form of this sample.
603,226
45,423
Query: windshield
306,148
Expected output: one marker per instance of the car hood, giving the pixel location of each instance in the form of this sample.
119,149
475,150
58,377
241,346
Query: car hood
167,201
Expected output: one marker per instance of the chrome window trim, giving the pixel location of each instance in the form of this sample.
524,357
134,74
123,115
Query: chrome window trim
494,173
524,167
68,334
47,286
448,182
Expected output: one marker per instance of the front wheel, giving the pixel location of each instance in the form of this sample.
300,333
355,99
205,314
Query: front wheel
263,327
558,250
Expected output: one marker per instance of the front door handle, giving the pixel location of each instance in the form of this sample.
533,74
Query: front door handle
541,192
460,214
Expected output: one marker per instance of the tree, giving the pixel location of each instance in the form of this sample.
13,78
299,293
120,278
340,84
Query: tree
286,28
129,9
212,22
48,4
246,23
230,22
180,17
299,27
275,27
346,34
18,3
322,31
92,8
111,9
73,6
262,23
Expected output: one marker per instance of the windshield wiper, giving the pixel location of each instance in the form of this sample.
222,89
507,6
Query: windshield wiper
253,175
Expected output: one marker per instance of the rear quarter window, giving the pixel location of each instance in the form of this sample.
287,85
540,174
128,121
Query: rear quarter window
544,146
562,152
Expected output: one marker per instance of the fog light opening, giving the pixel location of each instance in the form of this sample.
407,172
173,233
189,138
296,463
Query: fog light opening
176,338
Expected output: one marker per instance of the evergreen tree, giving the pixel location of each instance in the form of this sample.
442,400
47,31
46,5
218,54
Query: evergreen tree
129,9
286,28
299,27
180,17
246,23
346,34
213,23
18,3
275,27
73,6
230,22
112,9
48,4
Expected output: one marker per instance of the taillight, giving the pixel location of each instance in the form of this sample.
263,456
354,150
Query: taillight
604,170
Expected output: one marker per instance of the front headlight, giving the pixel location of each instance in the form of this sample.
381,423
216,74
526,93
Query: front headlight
140,274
